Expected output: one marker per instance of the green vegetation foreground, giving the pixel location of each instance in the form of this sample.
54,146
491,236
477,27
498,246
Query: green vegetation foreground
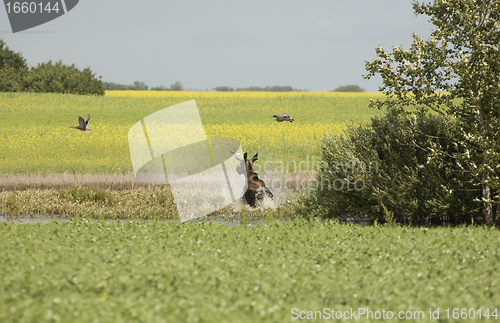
87,271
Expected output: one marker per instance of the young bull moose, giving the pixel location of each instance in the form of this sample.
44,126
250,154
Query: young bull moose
256,187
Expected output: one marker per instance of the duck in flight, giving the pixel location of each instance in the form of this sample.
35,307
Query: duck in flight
283,117
83,123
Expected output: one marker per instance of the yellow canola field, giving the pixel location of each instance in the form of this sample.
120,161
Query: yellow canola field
35,136
105,149
274,136
60,149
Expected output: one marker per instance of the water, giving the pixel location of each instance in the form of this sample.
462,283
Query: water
44,219
231,220
35,219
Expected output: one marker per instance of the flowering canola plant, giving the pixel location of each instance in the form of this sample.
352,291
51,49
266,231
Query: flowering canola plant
35,136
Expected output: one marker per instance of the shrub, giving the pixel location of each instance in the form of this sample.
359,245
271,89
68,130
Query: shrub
388,167
13,69
60,78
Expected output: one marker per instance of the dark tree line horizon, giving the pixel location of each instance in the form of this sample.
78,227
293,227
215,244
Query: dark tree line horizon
16,76
177,86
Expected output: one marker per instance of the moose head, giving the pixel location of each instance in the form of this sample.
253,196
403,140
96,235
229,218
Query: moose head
246,166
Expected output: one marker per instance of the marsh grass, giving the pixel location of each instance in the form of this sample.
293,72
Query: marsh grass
121,197
154,203
82,194
12,205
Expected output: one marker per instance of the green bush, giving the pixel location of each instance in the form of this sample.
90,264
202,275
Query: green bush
387,170
13,69
60,78
11,80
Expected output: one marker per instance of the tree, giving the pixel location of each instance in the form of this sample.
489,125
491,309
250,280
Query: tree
139,86
224,89
456,74
13,69
278,88
349,88
160,88
275,88
46,77
177,86
60,78
116,87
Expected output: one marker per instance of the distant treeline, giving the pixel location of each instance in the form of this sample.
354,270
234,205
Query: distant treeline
275,88
141,86
15,76
349,88
177,86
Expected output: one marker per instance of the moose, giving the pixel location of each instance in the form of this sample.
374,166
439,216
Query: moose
256,188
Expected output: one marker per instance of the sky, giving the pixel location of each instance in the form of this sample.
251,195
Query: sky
309,45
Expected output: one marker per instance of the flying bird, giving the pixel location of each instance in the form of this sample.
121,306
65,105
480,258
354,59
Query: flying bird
283,117
83,123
